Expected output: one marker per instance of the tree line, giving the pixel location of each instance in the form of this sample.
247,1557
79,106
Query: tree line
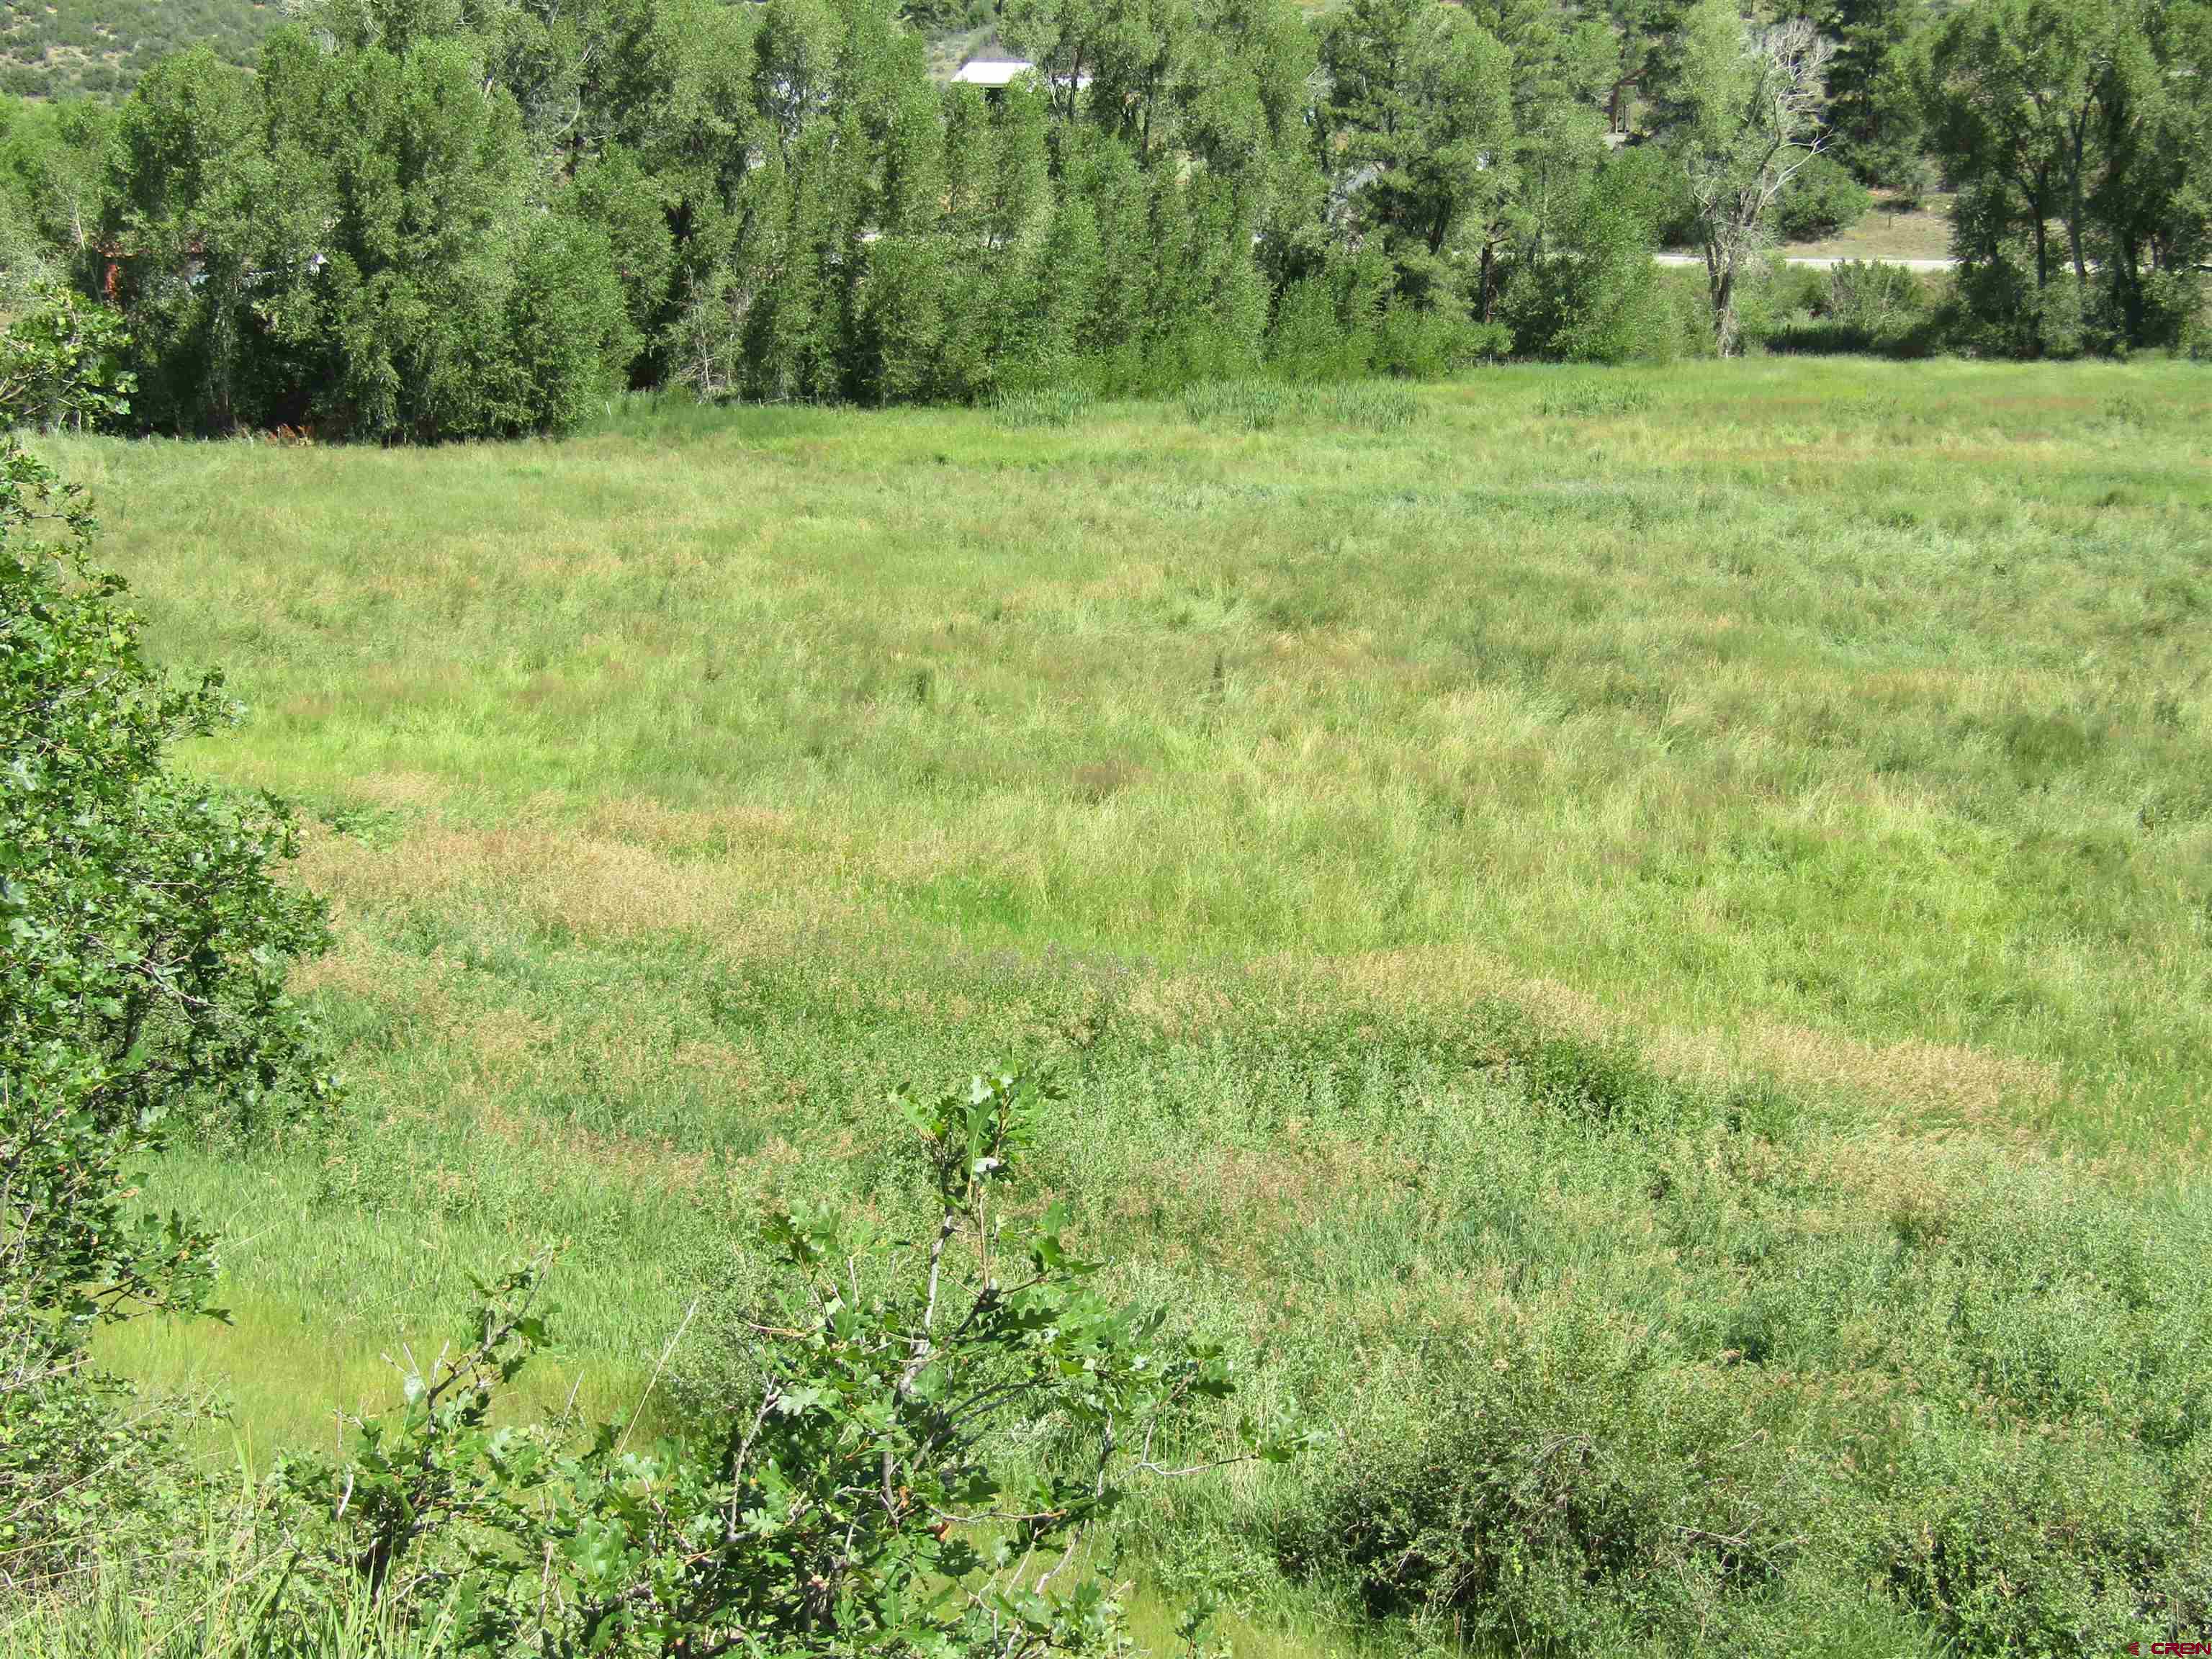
420,218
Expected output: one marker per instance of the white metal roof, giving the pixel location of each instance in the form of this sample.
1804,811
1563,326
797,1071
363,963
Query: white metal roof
992,71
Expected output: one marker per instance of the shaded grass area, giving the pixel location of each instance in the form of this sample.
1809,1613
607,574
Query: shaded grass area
1640,910
1889,230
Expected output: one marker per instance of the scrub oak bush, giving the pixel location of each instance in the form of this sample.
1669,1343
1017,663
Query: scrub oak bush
62,364
146,938
933,1428
1821,200
1979,1420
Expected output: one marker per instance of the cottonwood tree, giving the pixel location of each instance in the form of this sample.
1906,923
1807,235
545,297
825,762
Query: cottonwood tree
2150,205
49,188
2090,115
357,237
1746,103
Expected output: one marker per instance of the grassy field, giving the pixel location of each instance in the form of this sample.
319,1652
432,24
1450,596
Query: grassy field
1665,910
1889,231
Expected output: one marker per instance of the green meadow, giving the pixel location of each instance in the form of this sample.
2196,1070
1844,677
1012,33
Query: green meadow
1638,944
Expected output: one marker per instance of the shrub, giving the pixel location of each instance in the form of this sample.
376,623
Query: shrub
567,326
149,941
1600,297
1821,200
62,364
1559,1488
930,1433
1309,339
1875,299
1434,345
1856,305
2057,1545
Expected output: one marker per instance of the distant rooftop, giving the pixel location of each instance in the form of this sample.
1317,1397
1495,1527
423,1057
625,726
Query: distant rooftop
992,71
995,73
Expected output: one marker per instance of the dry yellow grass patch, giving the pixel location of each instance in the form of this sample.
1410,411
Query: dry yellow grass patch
1243,1200
762,886
358,968
1998,1094
1932,1082
508,1044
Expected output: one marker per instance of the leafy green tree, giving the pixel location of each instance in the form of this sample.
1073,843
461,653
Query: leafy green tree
2090,114
1241,110
1207,305
1593,294
1558,76
629,207
1874,109
148,937
567,325
356,239
50,181
425,188
1108,232
2150,206
194,215
1062,39
2015,109
1637,34
1139,52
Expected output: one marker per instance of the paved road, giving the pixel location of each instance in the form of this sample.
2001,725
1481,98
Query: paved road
1817,264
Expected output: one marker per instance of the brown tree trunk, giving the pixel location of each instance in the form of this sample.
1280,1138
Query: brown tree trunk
1728,336
1720,287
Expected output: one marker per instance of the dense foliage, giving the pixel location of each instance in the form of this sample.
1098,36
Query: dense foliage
925,1436
2080,137
146,940
424,222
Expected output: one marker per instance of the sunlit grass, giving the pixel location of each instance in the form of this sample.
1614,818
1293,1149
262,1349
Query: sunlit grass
1821,743
1866,698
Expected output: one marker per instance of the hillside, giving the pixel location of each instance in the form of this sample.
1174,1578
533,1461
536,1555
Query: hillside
102,46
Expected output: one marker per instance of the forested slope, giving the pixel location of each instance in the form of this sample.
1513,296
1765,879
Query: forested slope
103,46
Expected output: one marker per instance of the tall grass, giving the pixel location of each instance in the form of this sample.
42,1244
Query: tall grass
1708,871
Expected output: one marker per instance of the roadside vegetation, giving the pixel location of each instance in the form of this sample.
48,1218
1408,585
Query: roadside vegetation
1630,947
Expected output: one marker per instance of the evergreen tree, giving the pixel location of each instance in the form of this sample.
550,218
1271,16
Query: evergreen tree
1417,126
1873,108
